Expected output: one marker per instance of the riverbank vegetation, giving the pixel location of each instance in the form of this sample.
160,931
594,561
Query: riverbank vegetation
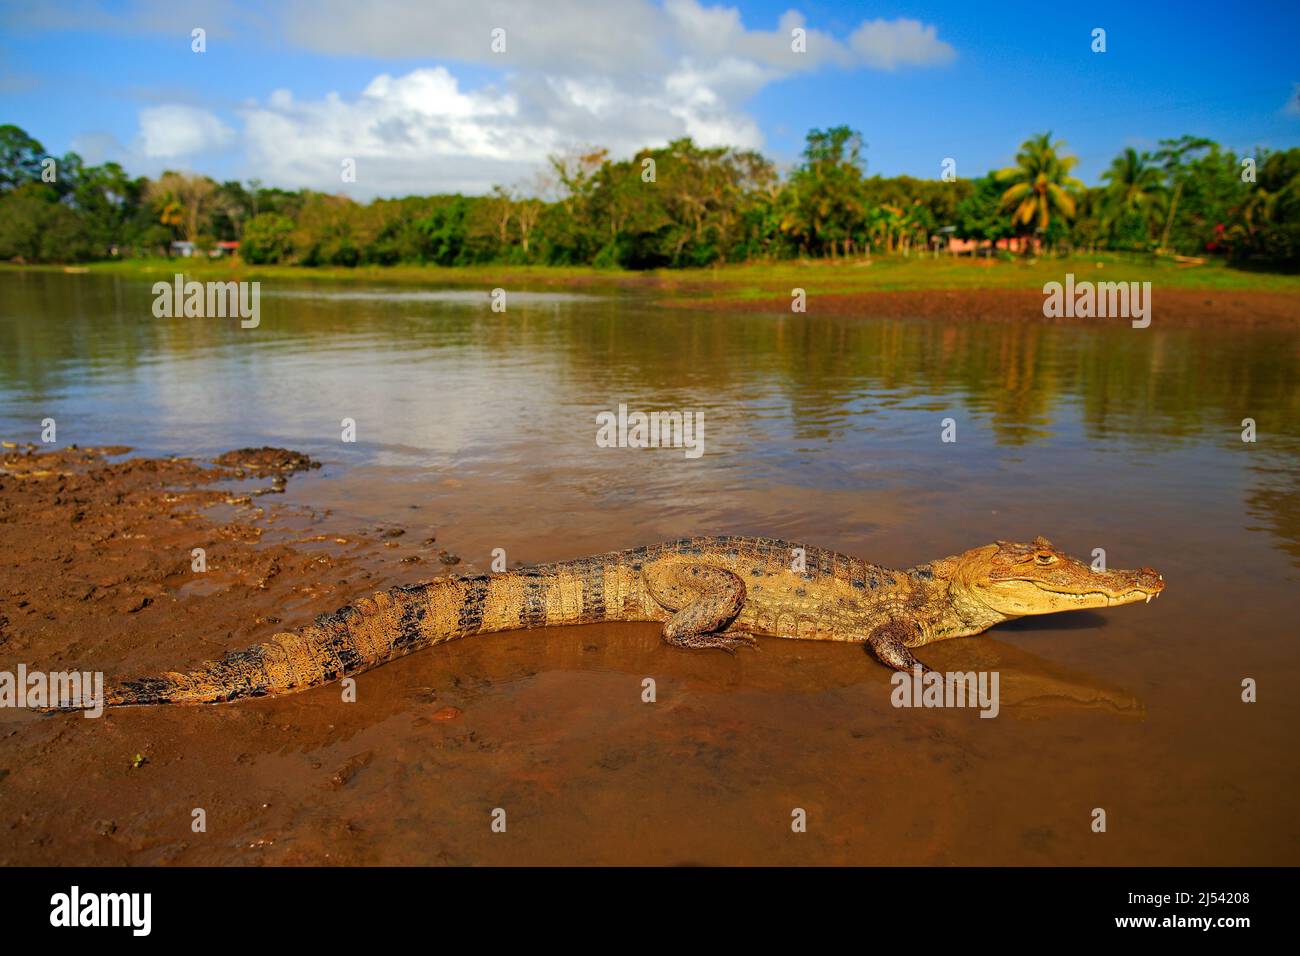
679,206
735,282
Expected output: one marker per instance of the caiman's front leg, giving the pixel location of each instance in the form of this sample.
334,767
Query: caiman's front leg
704,600
889,643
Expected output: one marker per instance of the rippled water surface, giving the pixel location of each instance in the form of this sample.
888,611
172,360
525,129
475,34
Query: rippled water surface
819,430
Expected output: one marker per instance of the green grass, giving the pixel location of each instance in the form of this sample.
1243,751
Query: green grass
737,282
896,273
205,269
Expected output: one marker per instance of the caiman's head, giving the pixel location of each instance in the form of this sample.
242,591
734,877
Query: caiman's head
1022,579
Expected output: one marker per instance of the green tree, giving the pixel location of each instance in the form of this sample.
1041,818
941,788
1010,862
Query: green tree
1173,155
825,207
572,233
980,215
232,207
109,202
1134,199
1268,228
36,227
20,158
443,231
1210,203
268,238
702,206
1086,229
1039,186
185,202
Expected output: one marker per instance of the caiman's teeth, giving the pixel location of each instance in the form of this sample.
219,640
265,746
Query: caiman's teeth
1148,598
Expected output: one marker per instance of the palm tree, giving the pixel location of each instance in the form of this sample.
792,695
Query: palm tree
1041,184
1172,154
1134,185
884,225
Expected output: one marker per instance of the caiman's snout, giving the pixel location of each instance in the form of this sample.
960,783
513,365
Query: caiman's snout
1019,579
1134,586
1109,588
1112,588
1150,581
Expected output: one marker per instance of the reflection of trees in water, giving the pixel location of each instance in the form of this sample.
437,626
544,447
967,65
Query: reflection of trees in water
54,326
1176,384
823,376
1275,500
1126,382
1188,382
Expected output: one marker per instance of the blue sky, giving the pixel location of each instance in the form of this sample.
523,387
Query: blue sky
118,80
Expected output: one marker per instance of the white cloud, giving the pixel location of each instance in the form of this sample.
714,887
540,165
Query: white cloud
596,35
575,73
887,44
412,133
702,102
573,35
718,31
421,133
171,132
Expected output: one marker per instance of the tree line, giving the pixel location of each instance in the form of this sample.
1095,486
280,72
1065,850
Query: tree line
673,206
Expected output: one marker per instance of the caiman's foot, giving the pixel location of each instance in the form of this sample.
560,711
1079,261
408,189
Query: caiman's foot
705,600
896,656
886,642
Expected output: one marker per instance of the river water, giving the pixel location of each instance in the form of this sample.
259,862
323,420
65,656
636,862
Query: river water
821,430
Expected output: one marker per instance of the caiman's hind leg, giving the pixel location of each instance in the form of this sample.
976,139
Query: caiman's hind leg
704,600
889,643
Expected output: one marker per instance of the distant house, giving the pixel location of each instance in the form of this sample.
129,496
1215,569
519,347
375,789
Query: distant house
225,248
182,248
1015,244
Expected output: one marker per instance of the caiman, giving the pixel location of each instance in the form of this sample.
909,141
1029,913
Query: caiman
720,592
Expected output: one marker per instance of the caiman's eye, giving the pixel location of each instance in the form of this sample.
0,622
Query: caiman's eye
1045,558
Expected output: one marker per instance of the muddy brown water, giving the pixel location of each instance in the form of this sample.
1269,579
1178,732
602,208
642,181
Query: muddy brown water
478,429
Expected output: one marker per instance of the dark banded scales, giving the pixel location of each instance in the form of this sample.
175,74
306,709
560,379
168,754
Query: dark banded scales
707,592
820,601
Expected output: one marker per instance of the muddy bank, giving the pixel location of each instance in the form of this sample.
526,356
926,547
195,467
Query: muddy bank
117,562
96,572
1170,307
133,566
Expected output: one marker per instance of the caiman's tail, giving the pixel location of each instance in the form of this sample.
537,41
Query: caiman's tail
376,630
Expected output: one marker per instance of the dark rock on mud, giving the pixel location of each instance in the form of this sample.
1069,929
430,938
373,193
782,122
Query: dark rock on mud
265,461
